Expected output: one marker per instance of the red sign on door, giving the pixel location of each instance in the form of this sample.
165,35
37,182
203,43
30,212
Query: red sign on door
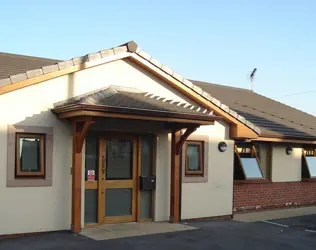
91,175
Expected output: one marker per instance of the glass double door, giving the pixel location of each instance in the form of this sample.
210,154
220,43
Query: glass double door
113,166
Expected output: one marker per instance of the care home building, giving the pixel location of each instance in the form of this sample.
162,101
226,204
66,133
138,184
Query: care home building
117,136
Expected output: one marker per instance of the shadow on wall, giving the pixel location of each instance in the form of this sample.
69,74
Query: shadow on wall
274,128
50,203
70,87
71,83
62,135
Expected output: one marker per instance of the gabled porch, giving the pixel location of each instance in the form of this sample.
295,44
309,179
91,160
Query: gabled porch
122,119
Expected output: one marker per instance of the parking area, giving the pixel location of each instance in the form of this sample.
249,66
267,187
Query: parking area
306,223
285,234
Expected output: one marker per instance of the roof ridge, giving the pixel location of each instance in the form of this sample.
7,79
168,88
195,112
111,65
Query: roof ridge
130,47
223,86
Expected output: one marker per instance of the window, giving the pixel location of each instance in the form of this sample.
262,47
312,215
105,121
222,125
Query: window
194,158
30,155
309,163
246,163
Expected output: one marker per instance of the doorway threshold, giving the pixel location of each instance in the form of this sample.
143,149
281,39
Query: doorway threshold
122,230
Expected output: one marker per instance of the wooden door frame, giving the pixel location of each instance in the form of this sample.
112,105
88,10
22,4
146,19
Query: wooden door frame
104,184
97,185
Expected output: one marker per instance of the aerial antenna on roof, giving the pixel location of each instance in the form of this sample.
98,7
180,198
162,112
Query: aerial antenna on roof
252,75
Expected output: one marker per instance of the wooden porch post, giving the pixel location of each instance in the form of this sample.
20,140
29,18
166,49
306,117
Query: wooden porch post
175,179
177,141
78,136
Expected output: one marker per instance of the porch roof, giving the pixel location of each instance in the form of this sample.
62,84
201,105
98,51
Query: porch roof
131,103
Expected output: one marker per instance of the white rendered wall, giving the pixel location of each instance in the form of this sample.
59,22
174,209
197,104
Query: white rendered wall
286,167
35,209
214,197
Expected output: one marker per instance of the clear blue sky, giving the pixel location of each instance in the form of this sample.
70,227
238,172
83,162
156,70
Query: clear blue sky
215,41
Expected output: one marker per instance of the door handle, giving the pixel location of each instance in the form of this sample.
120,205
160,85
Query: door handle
103,167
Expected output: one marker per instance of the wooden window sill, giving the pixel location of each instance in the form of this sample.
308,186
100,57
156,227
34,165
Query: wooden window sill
192,174
251,181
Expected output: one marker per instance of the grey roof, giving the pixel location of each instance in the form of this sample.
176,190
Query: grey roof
275,119
129,99
130,47
12,64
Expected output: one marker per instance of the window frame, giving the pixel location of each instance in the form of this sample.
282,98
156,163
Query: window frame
18,172
253,154
190,173
308,152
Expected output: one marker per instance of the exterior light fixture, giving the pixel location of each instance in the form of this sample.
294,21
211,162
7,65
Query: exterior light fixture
288,150
222,146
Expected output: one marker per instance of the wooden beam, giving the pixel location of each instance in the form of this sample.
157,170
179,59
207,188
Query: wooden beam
241,131
76,182
175,179
78,135
72,114
183,138
82,134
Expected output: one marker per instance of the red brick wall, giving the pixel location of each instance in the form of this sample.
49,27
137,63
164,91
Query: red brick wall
258,196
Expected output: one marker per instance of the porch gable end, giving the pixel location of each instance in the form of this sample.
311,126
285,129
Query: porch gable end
240,127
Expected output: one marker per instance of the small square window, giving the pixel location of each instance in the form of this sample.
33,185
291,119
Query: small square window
194,158
30,154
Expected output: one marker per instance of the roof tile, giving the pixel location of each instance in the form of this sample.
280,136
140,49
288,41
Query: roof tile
34,72
18,77
207,96
94,56
166,69
197,89
144,55
242,119
78,60
257,129
233,113
132,46
156,62
250,124
65,64
121,49
188,83
216,102
225,107
177,76
5,81
107,52
50,68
